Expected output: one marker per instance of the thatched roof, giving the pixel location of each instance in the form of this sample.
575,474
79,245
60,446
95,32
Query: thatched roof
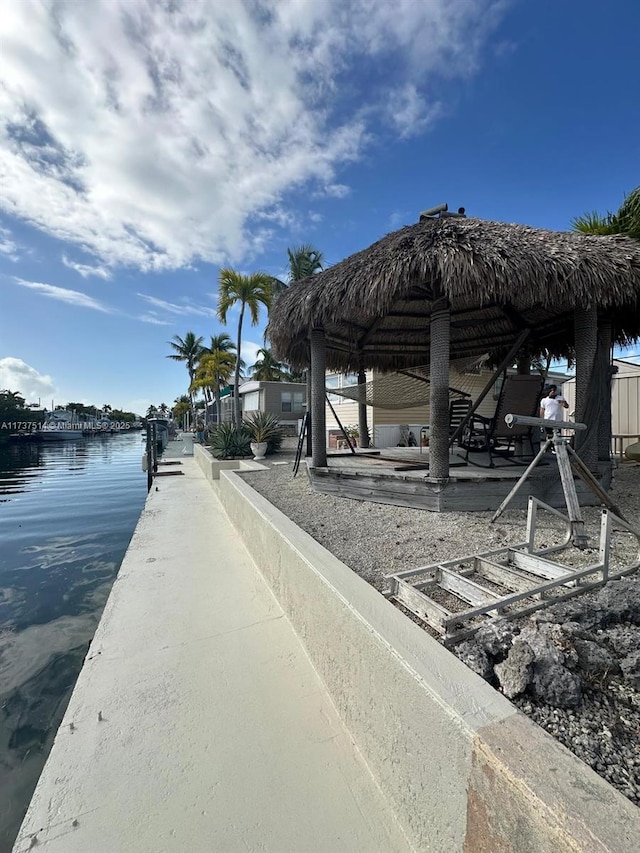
499,279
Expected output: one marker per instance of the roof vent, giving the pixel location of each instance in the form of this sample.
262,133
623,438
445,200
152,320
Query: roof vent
442,212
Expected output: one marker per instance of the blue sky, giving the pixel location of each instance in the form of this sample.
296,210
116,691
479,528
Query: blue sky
145,144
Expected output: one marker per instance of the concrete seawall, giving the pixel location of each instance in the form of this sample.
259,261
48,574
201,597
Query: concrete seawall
462,769
245,690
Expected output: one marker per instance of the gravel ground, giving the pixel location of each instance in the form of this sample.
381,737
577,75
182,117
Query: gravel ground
603,729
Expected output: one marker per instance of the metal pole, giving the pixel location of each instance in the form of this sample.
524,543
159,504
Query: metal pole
154,447
514,491
342,429
149,459
580,539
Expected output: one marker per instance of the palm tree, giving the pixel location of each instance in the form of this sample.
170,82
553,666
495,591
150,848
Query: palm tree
304,261
267,368
152,411
223,350
13,398
214,370
250,291
625,221
188,350
181,406
163,408
221,342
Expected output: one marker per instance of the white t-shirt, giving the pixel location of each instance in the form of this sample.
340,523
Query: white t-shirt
553,408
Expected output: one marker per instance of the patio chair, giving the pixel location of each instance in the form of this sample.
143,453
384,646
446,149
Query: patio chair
520,395
458,411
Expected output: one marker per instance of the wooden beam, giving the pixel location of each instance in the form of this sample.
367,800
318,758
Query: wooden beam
373,328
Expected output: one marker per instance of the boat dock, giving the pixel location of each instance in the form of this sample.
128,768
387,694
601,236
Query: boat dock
246,691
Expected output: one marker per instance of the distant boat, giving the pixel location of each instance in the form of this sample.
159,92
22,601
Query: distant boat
61,425
162,432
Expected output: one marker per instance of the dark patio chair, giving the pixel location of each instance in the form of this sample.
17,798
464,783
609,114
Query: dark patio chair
458,411
520,395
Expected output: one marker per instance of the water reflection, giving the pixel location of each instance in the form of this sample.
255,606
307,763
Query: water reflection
68,511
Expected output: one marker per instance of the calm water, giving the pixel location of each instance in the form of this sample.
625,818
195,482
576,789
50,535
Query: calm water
67,513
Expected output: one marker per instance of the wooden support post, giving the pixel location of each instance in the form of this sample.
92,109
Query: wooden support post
603,366
439,399
308,380
586,336
363,427
318,411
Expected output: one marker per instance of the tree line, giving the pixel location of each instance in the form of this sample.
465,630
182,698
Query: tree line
210,368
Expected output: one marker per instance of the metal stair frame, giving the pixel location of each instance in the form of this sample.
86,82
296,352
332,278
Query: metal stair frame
506,567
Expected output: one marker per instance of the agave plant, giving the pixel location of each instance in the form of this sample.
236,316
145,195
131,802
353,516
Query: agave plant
265,426
227,442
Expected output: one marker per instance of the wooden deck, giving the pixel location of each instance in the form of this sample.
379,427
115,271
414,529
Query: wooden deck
393,477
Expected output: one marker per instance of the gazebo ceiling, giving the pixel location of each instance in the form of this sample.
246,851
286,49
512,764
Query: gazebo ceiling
499,279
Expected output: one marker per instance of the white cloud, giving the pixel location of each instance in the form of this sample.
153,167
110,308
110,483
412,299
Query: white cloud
174,308
7,246
156,133
336,191
410,112
249,352
151,318
17,375
61,294
85,270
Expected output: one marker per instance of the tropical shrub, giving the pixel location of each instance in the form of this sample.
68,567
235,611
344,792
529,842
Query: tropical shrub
227,442
265,426
353,432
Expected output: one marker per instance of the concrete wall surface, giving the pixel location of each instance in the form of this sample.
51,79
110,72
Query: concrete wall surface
462,769
211,467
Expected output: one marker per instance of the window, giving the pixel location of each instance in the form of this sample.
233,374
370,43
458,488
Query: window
340,380
333,382
292,401
251,401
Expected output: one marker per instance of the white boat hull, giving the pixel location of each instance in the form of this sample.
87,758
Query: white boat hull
60,434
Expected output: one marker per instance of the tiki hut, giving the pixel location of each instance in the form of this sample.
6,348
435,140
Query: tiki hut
464,287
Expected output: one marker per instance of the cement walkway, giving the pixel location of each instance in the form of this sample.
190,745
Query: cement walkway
198,722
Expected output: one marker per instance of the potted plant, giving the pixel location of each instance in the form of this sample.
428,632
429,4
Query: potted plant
354,434
265,431
226,442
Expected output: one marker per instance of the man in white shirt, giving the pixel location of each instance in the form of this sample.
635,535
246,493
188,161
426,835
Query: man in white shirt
552,405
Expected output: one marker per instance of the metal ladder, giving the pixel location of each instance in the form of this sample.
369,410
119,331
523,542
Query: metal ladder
457,597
